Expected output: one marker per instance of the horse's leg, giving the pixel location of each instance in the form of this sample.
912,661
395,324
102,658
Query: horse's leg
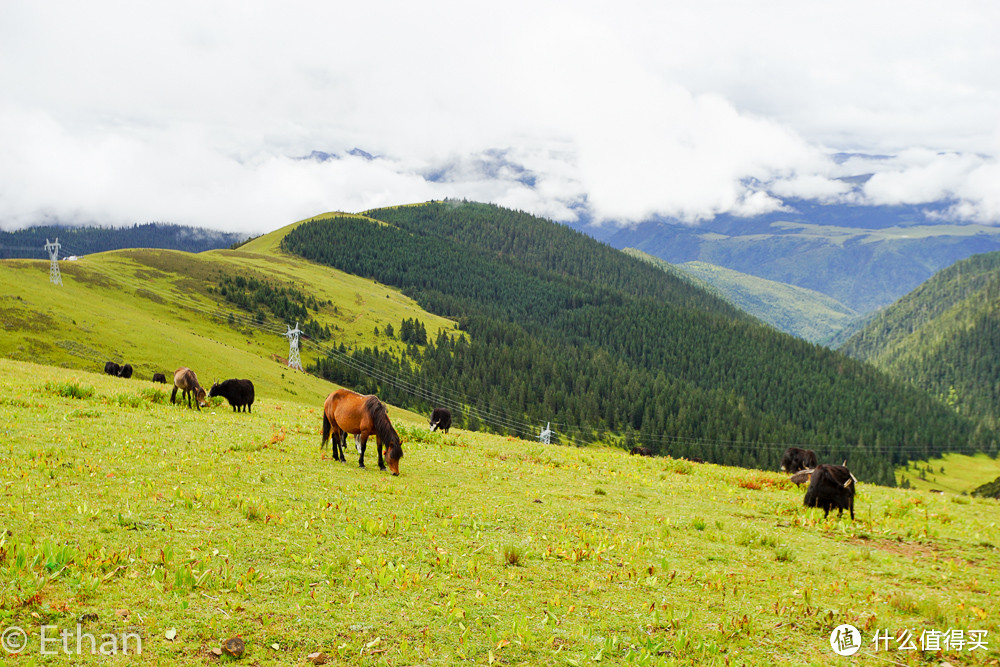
338,444
173,395
381,463
342,441
357,443
362,444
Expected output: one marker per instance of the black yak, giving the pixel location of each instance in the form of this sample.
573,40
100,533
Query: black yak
831,486
239,393
641,451
440,419
159,377
186,380
796,459
111,368
125,371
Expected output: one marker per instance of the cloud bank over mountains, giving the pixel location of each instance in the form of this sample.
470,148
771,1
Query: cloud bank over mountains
117,112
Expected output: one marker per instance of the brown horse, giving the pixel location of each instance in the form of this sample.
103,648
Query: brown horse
347,412
184,378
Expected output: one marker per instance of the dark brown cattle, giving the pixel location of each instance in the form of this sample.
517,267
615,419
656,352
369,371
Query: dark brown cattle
239,393
796,459
159,377
640,451
831,487
440,419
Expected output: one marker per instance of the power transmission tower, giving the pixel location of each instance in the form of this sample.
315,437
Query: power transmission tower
53,249
294,360
546,435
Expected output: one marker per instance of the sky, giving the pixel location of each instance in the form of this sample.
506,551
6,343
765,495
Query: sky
205,113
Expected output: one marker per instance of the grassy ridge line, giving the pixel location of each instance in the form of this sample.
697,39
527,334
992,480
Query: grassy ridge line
129,512
151,308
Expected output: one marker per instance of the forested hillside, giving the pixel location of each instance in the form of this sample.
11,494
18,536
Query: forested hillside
568,330
30,242
810,315
944,337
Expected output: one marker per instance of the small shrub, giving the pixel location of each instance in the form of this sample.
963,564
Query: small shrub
757,482
600,492
699,524
154,395
69,390
128,401
783,553
513,555
903,602
678,466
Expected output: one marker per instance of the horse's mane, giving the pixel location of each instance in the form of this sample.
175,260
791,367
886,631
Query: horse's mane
380,420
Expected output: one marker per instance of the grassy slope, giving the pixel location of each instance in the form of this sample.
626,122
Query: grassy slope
795,310
151,308
127,512
961,473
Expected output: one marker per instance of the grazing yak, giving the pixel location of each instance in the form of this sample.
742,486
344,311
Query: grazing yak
111,368
831,487
641,451
159,377
440,419
796,459
186,380
239,393
126,371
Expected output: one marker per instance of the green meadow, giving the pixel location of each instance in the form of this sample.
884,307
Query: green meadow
153,309
125,514
952,473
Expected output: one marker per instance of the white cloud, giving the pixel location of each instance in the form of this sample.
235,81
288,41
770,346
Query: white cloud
120,112
972,182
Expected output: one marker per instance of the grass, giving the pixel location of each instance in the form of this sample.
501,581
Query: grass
151,308
194,527
952,473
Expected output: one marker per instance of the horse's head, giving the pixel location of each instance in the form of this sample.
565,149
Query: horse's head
392,452
201,397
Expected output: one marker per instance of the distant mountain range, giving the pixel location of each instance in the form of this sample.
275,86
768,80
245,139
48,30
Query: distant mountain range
864,257
30,243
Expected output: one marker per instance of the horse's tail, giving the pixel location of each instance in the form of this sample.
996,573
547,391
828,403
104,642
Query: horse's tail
327,426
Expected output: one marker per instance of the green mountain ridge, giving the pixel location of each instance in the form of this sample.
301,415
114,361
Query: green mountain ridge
569,331
944,337
798,311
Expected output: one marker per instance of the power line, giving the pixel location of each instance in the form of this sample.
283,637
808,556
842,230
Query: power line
459,401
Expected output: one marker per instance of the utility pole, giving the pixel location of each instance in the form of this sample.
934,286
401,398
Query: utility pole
294,360
53,249
546,435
